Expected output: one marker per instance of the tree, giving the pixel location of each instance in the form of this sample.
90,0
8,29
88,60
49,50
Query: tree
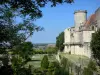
12,35
60,41
59,69
95,46
90,68
31,7
65,64
24,50
45,62
13,41
92,65
87,71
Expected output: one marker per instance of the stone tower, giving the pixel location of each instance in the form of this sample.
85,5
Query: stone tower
80,17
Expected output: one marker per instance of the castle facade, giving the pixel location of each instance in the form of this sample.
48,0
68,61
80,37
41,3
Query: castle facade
77,38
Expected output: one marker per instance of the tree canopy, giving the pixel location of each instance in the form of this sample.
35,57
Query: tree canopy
13,35
95,46
30,7
13,45
60,41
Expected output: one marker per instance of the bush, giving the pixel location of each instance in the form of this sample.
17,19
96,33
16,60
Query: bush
49,50
45,62
90,68
95,46
69,52
87,71
92,65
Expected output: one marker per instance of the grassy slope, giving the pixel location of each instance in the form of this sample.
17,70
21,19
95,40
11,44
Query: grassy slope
37,60
76,59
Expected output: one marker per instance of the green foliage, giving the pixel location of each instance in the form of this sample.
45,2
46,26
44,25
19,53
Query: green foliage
60,41
60,69
92,65
12,39
45,62
13,35
95,45
25,50
29,7
21,55
49,50
87,71
51,65
39,51
65,63
54,68
90,68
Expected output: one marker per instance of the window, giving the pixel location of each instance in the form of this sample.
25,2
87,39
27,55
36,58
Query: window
93,27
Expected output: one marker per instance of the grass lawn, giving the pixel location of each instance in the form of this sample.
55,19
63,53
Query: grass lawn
76,59
37,60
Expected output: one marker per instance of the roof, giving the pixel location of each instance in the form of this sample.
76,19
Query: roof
90,20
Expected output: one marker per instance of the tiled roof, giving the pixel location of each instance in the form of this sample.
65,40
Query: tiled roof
90,20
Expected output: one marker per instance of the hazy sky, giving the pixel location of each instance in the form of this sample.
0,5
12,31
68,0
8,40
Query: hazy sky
56,19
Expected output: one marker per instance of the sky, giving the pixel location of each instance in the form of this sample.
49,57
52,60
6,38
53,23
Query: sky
57,19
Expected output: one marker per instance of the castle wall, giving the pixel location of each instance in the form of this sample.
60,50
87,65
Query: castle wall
81,50
78,50
81,43
67,39
87,51
77,37
67,49
81,37
67,35
72,49
72,35
78,41
97,13
87,35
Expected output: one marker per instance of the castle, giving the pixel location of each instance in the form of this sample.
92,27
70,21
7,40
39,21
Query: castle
77,39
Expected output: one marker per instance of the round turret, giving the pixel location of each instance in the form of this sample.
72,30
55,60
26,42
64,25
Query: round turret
80,17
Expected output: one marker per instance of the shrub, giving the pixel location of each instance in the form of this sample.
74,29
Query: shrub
69,52
87,71
92,65
45,62
90,68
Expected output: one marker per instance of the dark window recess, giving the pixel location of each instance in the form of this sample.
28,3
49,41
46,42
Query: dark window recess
93,27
